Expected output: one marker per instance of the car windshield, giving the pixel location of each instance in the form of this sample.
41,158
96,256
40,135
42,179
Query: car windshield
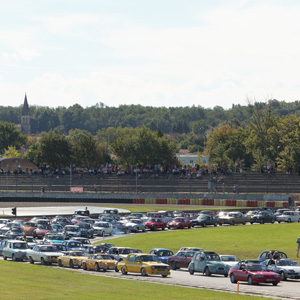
73,244
229,258
153,220
72,228
31,224
99,224
149,258
42,226
190,254
126,251
55,237
48,249
75,253
20,246
286,263
165,253
212,256
255,267
102,257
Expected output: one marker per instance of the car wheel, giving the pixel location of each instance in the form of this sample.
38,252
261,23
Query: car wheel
298,220
164,276
144,230
262,222
13,258
232,278
31,260
143,272
59,263
204,225
279,222
116,269
220,224
163,228
226,275
123,270
272,221
43,261
71,264
173,265
4,257
244,223
216,224
282,276
96,267
251,223
191,271
250,280
275,283
84,266
232,223
207,272
289,220
154,228
181,227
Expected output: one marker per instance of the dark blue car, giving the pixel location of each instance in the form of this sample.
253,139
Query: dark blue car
162,254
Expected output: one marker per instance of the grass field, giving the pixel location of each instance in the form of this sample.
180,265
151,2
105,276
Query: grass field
243,241
24,281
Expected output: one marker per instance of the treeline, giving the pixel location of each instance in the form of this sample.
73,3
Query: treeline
172,120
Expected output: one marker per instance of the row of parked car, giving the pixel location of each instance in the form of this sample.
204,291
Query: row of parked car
269,267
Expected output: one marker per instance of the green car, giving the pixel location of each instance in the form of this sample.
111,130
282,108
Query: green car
208,262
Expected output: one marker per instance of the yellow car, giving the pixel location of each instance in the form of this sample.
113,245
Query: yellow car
143,263
71,259
97,262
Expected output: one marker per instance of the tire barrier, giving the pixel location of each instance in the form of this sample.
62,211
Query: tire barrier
210,202
184,201
251,203
138,201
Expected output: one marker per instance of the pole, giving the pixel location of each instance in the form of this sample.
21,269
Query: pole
136,177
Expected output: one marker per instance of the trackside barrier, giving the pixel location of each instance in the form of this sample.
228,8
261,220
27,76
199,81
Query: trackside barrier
196,201
161,201
270,204
240,203
297,203
184,201
278,204
261,203
150,201
252,203
230,203
208,202
285,204
172,201
217,202
138,201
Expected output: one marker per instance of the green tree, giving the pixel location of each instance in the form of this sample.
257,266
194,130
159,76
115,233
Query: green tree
54,149
10,136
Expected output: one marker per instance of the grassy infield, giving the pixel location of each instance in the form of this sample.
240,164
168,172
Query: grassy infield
24,281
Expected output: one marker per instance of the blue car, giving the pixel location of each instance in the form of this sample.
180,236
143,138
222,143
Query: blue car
73,245
162,254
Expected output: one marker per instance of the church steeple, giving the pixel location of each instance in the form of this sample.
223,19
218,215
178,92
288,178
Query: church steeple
25,118
25,110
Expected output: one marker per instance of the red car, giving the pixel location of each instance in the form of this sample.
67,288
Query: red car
41,230
154,224
180,223
181,259
252,272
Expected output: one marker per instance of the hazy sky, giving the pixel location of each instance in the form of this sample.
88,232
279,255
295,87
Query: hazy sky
157,53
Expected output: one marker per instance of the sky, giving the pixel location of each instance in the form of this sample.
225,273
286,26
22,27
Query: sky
154,53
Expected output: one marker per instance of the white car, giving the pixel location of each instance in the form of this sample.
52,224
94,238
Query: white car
3,222
16,250
289,216
46,254
100,227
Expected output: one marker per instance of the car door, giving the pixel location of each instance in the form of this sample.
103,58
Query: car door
131,265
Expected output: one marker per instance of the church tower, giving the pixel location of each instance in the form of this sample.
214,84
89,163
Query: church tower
25,118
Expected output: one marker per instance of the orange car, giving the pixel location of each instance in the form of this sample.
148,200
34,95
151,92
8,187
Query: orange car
28,227
99,262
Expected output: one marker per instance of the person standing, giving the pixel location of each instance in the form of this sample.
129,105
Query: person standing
298,242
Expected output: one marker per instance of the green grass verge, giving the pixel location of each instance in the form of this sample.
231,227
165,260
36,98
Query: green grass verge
24,281
243,241
154,207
